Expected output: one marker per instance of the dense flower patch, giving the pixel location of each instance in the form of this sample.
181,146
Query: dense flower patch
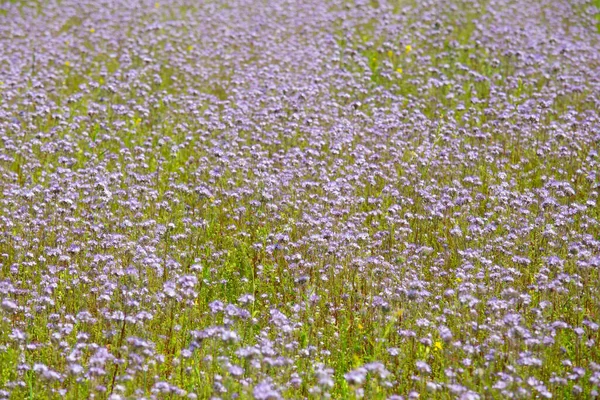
299,199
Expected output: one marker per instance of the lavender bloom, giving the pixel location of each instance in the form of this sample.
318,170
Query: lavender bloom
266,391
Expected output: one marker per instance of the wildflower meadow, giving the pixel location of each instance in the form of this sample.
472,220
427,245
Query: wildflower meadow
299,199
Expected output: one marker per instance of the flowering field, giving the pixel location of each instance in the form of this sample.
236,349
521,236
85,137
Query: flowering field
379,199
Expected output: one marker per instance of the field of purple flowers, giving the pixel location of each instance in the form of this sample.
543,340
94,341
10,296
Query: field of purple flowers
235,199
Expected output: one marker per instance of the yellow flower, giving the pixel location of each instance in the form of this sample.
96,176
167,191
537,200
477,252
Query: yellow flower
92,30
360,326
68,64
458,280
390,53
156,5
399,70
438,345
190,48
408,48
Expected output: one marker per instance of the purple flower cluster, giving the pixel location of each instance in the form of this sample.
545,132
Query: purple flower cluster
299,199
